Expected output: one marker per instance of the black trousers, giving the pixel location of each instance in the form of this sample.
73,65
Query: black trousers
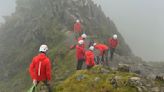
80,64
97,59
102,59
48,86
89,67
105,57
112,50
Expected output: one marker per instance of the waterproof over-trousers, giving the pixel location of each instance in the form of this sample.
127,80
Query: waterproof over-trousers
112,50
80,64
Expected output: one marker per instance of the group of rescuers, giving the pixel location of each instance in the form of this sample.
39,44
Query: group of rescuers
40,67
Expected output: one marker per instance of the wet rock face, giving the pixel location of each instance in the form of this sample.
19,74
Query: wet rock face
104,71
155,89
138,84
117,82
159,78
124,67
135,81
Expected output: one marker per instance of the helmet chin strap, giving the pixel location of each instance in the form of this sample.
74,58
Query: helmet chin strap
43,52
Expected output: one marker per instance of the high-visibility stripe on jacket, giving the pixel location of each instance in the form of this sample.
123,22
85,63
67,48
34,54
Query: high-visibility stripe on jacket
40,68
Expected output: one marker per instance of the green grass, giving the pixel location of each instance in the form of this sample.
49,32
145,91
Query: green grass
88,83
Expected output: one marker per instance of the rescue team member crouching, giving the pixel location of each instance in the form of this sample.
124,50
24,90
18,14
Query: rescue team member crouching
90,57
103,56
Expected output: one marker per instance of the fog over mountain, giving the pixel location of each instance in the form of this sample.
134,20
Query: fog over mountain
6,8
141,22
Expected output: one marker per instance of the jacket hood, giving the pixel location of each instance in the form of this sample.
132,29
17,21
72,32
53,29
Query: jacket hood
41,56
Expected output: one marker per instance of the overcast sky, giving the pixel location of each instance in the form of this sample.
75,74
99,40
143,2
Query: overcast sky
141,22
6,8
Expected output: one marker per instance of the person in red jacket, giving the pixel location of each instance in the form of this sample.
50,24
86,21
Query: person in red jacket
82,37
80,54
103,56
77,29
90,58
113,42
40,67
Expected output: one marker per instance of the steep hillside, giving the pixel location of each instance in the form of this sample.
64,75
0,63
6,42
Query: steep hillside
50,22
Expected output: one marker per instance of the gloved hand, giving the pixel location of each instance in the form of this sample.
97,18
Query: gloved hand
34,81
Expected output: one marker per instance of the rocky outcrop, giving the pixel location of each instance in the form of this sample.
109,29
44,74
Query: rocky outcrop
113,81
124,67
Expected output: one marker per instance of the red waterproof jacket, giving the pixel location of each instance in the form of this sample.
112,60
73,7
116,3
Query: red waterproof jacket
101,47
89,55
80,52
40,68
80,38
77,27
113,42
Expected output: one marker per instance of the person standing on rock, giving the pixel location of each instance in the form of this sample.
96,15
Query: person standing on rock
103,55
113,42
80,54
77,29
40,68
90,57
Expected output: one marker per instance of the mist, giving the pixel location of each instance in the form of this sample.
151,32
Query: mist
6,8
141,22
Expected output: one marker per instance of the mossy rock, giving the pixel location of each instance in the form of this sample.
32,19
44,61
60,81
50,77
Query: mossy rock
94,81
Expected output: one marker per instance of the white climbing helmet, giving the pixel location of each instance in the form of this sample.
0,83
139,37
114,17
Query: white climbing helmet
91,48
81,41
43,48
114,36
77,21
94,44
84,36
